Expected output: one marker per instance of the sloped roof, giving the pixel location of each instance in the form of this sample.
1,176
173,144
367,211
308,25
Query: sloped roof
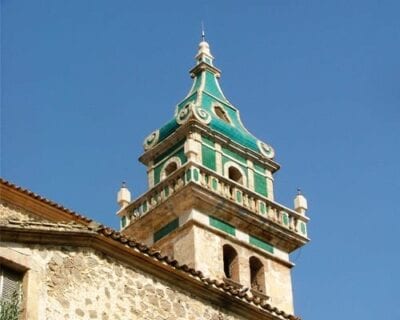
55,205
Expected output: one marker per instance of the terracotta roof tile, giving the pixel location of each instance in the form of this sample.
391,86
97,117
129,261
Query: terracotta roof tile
45,200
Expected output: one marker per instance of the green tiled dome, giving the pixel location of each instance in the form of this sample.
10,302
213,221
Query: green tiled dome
207,98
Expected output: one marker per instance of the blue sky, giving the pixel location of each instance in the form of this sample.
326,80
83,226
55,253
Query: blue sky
84,82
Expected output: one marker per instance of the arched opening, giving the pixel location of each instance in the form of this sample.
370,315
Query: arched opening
235,175
257,277
170,168
231,263
221,113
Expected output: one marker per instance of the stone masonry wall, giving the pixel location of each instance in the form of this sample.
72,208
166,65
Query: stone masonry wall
81,283
277,276
11,212
202,250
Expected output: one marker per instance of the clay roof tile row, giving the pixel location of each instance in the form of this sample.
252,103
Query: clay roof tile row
45,200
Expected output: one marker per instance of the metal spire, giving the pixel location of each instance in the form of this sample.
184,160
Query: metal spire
203,33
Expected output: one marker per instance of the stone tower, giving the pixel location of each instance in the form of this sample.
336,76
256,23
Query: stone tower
210,202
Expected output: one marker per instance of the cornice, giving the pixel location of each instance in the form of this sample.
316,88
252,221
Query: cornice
193,125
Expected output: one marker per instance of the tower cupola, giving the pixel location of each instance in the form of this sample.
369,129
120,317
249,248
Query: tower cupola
210,202
207,103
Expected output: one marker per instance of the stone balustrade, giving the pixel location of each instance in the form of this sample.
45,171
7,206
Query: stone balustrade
194,173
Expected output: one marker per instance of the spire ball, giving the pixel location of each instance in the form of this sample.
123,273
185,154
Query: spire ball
204,48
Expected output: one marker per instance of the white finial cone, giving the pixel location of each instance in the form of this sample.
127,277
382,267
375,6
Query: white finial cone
300,203
123,196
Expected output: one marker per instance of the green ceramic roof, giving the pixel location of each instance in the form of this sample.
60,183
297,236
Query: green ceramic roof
206,94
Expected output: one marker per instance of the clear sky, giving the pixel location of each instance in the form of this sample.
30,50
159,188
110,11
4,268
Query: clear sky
84,82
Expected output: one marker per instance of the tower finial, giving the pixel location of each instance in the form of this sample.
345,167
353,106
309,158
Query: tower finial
123,196
203,33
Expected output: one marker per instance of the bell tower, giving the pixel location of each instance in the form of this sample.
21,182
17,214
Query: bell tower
210,202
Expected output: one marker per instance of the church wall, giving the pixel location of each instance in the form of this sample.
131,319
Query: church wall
80,283
279,285
208,247
67,282
179,246
11,212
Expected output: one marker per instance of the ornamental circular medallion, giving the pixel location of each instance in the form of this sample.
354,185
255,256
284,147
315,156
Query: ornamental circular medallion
184,114
151,140
202,115
266,149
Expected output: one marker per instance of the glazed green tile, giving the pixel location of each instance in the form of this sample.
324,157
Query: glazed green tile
221,225
166,230
261,244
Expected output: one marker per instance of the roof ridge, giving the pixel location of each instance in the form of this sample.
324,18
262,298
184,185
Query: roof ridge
45,200
73,227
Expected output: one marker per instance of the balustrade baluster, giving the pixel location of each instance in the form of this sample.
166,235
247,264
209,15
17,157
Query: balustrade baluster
203,180
275,214
209,182
245,200
295,224
180,182
227,189
252,204
222,189
232,193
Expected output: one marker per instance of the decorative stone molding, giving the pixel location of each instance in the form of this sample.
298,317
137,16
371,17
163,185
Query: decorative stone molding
202,115
151,140
229,164
176,160
32,283
266,149
184,114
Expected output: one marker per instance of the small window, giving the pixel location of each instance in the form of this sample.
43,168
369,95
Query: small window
10,291
170,168
235,175
221,113
257,277
231,263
